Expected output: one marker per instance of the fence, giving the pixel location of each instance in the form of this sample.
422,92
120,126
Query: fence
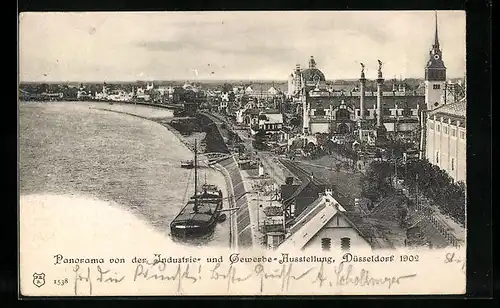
441,226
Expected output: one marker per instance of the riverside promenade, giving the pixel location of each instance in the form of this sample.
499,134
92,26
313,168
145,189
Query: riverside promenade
252,193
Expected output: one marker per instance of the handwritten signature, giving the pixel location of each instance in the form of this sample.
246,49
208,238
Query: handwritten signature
345,276
451,258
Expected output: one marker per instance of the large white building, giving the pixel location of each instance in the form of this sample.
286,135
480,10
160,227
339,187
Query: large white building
446,145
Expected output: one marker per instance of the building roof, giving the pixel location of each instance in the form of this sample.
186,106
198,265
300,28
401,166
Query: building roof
289,192
273,118
312,75
318,120
265,87
458,109
252,111
313,219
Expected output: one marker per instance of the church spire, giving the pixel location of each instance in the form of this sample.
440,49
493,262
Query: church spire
436,39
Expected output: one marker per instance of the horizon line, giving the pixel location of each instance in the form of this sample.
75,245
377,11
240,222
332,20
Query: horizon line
205,80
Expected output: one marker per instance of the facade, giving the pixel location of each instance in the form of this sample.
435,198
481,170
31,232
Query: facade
446,145
324,111
270,121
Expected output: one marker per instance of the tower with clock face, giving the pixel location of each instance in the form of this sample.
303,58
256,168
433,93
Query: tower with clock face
435,75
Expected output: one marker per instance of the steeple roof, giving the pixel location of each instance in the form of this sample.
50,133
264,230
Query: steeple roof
436,39
435,62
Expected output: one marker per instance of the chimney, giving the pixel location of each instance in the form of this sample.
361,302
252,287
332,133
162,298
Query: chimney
328,192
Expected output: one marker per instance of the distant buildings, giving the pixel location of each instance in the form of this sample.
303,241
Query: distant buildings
263,91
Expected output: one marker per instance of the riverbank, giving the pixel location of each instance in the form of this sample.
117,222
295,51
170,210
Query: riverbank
187,140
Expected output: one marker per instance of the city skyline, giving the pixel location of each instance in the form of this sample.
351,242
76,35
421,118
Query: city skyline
201,46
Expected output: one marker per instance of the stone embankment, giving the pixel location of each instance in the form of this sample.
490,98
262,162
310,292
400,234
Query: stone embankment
241,233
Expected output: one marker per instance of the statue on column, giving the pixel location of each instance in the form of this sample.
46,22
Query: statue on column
362,68
379,69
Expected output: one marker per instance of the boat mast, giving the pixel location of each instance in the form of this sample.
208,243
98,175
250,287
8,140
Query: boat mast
195,170
195,208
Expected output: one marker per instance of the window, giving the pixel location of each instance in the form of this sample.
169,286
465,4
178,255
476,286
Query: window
445,129
453,132
357,113
437,157
431,125
452,164
436,86
462,135
345,244
326,244
438,128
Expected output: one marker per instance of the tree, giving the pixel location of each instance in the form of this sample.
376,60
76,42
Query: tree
295,121
258,142
377,176
227,88
369,189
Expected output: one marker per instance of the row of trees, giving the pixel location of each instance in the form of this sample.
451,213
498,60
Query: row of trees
431,182
436,185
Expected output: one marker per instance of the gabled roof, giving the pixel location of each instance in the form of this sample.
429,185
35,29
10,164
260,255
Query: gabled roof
309,224
312,220
316,216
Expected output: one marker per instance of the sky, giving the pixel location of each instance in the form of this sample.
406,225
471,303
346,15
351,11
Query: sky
131,46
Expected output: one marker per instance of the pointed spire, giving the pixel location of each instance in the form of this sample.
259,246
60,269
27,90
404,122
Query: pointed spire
436,39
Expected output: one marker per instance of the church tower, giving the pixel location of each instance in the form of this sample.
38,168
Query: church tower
435,75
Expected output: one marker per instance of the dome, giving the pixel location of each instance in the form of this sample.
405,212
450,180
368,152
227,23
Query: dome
313,75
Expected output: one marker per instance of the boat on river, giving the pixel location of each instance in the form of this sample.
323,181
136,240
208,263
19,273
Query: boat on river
202,211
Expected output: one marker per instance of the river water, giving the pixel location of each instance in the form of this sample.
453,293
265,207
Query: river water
79,149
